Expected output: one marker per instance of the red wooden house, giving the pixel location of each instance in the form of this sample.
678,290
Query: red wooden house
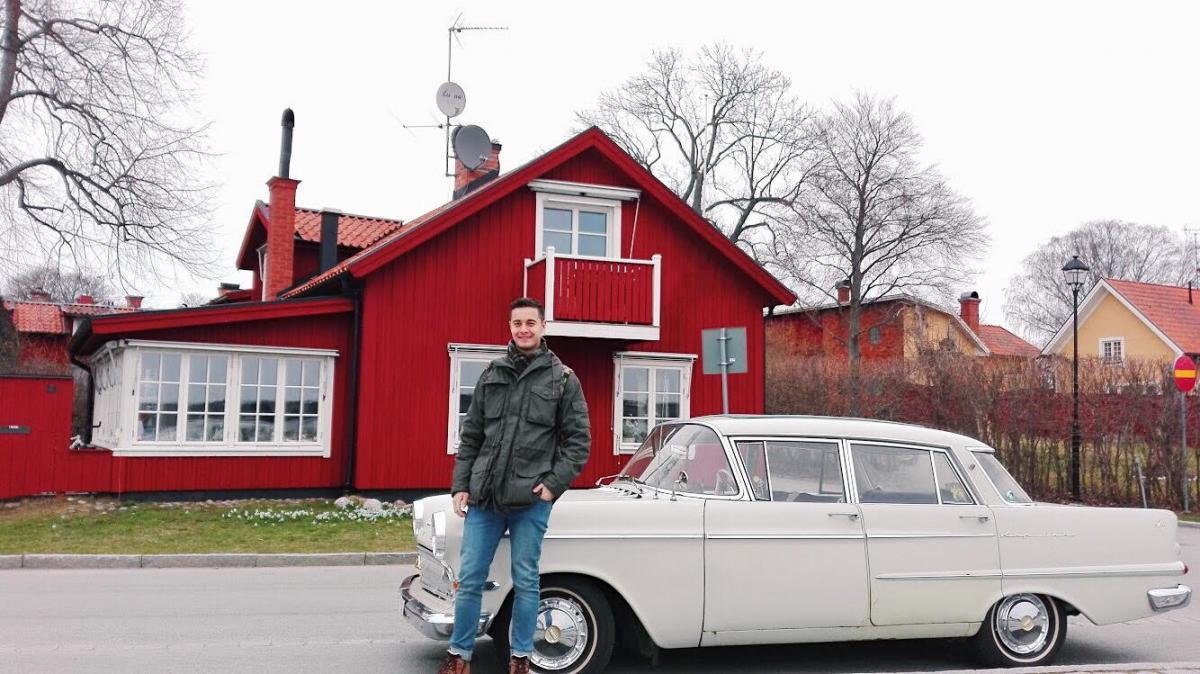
41,329
357,350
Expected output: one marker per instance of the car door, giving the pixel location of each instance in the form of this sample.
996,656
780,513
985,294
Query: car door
931,547
794,556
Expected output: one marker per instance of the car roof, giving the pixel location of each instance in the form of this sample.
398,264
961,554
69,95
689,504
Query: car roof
818,426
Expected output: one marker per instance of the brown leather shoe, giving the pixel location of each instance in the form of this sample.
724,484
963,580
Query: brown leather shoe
518,665
454,664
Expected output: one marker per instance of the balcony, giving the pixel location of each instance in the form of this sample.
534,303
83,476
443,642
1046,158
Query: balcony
608,298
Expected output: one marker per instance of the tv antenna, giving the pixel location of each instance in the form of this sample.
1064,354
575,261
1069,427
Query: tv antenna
1192,234
451,102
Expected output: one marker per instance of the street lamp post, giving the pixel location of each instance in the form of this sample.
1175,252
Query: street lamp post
1076,272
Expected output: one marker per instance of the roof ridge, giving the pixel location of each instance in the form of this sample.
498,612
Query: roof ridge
1148,283
353,215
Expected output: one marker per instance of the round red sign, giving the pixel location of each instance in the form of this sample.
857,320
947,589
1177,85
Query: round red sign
1185,373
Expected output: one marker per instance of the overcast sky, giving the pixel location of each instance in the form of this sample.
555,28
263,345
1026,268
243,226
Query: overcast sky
1044,114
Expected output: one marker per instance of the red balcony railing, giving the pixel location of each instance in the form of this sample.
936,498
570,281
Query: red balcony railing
596,290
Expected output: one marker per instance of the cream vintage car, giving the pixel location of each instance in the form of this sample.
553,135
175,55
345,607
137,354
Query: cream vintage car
764,530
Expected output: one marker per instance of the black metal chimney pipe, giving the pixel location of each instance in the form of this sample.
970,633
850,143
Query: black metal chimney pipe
285,149
329,229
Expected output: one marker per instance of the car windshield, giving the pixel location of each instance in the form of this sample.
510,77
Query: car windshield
686,457
1005,484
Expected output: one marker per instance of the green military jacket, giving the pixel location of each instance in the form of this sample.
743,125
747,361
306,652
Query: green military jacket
522,428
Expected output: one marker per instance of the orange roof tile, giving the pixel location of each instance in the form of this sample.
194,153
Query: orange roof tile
1168,308
50,318
1001,342
354,231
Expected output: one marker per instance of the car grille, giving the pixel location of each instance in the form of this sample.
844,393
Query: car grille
435,575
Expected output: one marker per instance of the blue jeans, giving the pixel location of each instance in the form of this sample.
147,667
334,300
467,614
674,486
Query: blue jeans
481,534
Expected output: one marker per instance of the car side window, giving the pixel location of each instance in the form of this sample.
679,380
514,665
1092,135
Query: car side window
951,489
804,471
886,474
754,458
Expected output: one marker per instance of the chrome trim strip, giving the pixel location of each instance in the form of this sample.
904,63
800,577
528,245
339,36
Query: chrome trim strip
960,575
930,535
615,536
799,537
1174,569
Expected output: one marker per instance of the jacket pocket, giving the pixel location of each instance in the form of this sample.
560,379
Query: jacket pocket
528,470
543,406
495,395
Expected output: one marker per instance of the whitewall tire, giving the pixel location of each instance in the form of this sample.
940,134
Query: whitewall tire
1022,630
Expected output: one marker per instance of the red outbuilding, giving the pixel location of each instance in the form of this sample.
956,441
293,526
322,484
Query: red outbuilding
354,355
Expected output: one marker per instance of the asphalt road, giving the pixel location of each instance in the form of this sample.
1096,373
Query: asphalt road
344,619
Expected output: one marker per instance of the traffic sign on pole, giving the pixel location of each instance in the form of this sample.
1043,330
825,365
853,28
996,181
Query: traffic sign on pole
1185,380
1185,373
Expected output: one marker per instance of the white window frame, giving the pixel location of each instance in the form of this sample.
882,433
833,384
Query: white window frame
485,353
1120,342
575,204
684,362
117,401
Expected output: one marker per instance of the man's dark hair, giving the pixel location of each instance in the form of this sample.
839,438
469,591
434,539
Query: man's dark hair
523,302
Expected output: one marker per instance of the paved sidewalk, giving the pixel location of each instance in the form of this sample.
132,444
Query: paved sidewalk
1127,668
215,560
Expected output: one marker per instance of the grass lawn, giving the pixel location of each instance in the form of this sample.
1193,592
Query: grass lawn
88,525
1189,517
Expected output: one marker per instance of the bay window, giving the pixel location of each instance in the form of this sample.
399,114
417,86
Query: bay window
187,399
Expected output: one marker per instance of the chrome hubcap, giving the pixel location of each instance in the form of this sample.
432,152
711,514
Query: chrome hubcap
1023,624
561,634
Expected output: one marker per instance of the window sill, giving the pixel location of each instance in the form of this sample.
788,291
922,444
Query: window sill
276,450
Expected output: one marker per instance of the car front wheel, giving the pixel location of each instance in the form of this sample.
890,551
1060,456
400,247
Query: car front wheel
1022,630
575,630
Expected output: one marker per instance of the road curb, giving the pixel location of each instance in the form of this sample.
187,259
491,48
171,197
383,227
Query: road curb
1131,667
1190,525
209,560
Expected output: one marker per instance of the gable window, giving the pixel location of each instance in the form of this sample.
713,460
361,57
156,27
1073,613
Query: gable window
214,400
873,335
467,363
578,226
579,218
1112,350
650,389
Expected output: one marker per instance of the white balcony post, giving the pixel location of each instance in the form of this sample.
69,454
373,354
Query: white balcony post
550,283
657,260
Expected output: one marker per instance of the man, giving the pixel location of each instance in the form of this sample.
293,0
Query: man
524,440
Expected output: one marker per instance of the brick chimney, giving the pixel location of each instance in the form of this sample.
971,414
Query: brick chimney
133,301
281,230
467,181
85,299
39,295
843,291
968,310
226,288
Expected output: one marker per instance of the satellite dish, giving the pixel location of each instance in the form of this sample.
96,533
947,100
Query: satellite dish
472,145
451,99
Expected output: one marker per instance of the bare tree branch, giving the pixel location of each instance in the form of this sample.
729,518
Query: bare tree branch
97,160
721,129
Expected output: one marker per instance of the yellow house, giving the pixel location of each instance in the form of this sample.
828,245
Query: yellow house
1123,320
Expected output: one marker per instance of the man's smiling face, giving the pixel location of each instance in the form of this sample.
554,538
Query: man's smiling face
527,327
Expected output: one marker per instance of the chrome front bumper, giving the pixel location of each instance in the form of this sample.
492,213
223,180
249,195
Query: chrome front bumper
1169,598
433,624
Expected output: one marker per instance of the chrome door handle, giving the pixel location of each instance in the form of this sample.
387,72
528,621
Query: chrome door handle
852,516
981,518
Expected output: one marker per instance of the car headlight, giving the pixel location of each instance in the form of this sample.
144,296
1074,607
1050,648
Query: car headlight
418,517
439,533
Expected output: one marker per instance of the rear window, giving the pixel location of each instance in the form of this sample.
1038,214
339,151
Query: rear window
1005,483
885,474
